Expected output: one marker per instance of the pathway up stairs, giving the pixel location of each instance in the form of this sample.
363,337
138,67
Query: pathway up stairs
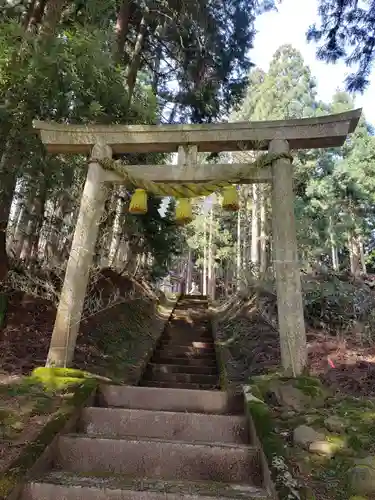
176,435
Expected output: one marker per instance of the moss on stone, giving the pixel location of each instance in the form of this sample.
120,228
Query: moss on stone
18,469
44,372
310,386
329,475
272,444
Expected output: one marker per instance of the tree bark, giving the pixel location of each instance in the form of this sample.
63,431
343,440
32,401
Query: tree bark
136,58
204,287
362,254
52,14
255,230
8,185
210,254
122,28
263,265
354,254
238,260
34,15
118,226
34,221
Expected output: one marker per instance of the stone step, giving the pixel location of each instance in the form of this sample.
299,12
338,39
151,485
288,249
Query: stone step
69,486
188,336
159,459
192,427
150,398
195,345
182,378
171,384
176,368
178,350
189,297
183,360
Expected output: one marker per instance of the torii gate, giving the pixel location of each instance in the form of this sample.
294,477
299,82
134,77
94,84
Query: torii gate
101,141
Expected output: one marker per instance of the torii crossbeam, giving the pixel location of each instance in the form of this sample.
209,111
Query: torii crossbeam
101,141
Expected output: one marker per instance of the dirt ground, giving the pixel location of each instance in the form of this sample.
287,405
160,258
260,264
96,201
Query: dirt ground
25,408
343,363
24,341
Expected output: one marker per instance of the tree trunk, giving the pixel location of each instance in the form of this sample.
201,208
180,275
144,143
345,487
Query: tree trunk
118,226
34,14
255,230
204,287
238,263
335,256
362,254
8,186
226,281
354,254
189,273
263,231
122,28
36,217
334,249
136,58
52,15
62,211
210,254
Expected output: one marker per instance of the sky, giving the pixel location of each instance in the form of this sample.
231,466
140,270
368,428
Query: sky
289,26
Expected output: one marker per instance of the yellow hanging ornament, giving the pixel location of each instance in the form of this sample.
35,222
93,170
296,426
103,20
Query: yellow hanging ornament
230,199
184,213
138,202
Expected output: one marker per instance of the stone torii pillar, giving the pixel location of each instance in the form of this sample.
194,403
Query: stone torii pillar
69,312
286,264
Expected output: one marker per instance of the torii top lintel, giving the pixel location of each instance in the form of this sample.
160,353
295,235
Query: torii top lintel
306,133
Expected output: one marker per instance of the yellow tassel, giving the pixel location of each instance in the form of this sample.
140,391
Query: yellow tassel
230,199
138,202
184,213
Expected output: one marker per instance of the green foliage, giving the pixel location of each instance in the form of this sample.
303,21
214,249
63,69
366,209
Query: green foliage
346,31
337,304
334,187
162,237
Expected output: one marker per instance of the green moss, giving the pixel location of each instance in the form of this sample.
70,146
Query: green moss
44,372
311,386
273,447
329,477
263,422
261,383
19,467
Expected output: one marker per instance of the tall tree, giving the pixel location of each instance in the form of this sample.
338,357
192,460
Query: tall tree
286,90
347,31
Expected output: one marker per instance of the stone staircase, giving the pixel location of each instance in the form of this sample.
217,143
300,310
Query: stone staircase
185,356
158,443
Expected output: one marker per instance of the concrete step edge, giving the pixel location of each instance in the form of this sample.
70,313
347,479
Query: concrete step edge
239,419
190,378
158,489
182,367
253,449
173,361
136,389
162,384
